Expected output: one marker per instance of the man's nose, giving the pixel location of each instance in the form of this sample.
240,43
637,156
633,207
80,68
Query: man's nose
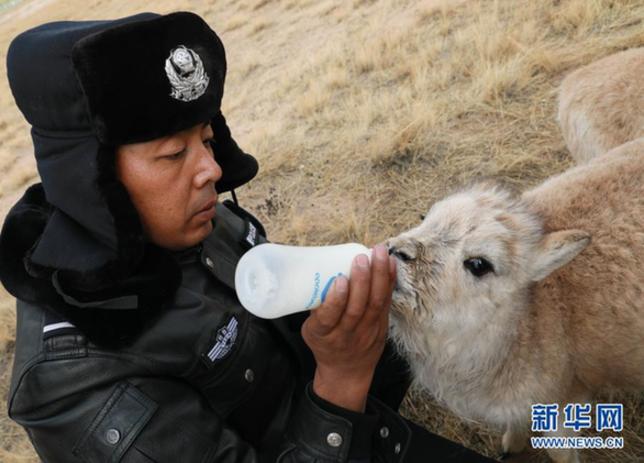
207,169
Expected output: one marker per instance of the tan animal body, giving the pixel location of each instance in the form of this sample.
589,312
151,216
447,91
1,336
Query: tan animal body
601,105
503,302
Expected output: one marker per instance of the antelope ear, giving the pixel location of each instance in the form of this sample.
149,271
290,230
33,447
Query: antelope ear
557,249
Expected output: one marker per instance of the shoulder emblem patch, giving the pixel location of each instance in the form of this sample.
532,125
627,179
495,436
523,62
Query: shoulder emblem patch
224,341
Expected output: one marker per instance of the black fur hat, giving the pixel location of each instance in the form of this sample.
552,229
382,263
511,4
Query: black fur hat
87,87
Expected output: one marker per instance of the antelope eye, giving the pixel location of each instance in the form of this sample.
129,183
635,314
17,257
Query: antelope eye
478,266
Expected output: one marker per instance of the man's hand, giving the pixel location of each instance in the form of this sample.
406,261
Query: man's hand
347,332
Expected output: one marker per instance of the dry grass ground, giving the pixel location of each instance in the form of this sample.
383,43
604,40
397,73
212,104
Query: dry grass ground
364,112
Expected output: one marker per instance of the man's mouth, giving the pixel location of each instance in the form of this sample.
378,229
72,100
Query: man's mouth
210,204
207,211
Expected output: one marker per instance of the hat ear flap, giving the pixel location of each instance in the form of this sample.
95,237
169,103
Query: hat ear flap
127,222
237,166
220,128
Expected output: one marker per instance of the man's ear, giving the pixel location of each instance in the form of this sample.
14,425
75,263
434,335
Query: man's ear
557,249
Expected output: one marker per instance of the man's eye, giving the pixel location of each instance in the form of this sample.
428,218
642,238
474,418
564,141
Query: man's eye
175,156
208,142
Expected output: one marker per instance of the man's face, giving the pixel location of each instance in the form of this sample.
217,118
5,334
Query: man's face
171,181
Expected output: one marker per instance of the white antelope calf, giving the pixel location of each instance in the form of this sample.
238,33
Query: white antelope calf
507,301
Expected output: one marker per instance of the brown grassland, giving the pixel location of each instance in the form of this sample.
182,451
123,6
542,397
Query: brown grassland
362,113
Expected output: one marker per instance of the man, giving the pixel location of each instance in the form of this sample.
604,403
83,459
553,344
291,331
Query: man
131,343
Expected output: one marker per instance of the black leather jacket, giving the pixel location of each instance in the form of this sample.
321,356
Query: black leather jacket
207,382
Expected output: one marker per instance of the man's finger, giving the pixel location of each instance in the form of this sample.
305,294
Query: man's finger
381,285
359,285
385,315
327,316
393,270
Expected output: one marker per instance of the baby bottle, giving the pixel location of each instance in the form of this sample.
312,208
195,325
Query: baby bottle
274,280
